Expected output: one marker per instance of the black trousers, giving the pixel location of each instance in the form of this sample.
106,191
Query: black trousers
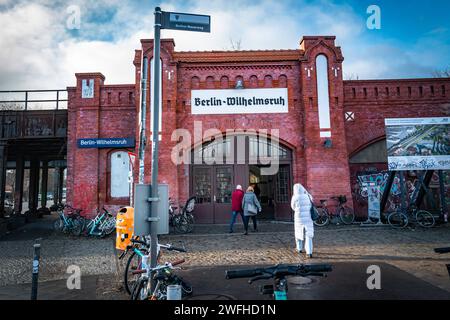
246,221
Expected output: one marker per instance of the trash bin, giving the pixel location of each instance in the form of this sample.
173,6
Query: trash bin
124,227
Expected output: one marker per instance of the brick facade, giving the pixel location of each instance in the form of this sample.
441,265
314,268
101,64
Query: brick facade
114,112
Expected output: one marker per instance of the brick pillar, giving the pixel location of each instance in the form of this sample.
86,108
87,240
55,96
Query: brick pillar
84,167
44,183
18,188
3,164
34,185
327,168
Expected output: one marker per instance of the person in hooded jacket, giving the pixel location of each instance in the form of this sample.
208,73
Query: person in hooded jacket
303,224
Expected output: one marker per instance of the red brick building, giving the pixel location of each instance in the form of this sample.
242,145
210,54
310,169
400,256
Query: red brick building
326,135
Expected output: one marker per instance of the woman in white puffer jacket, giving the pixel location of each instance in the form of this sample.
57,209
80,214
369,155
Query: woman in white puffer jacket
304,226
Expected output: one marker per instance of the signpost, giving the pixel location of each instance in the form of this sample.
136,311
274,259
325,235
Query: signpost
106,143
174,21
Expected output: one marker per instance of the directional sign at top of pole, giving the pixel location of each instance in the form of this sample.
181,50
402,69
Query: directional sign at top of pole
186,22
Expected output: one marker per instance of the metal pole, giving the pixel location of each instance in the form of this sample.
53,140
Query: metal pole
155,136
34,283
444,214
143,139
402,190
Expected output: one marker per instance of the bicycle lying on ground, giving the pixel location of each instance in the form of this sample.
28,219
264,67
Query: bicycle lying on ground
279,288
183,220
164,276
140,249
69,221
400,218
102,225
343,213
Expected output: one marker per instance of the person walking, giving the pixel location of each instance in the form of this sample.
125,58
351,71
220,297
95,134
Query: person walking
303,223
251,207
236,205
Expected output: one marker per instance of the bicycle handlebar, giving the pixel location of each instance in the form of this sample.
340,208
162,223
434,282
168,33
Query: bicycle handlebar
279,270
164,246
139,241
175,249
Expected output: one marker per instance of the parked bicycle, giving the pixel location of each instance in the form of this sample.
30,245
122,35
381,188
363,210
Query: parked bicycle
139,249
401,218
343,213
182,220
69,221
164,276
102,225
279,288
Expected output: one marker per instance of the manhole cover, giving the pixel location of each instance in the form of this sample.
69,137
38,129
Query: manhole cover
300,281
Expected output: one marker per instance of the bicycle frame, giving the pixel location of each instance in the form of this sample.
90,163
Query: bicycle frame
97,223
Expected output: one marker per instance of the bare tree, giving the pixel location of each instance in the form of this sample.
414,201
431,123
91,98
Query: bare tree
351,76
442,73
235,44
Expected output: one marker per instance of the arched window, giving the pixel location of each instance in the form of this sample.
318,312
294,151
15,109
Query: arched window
282,81
323,95
253,82
224,82
195,83
210,82
268,81
120,166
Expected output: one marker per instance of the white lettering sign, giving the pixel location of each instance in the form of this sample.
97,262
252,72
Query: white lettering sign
239,101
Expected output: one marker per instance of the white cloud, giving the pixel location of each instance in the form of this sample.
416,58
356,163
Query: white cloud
38,52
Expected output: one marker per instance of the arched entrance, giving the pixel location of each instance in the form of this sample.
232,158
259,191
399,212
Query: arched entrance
222,164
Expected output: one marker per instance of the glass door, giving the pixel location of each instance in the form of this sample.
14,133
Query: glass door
223,188
203,190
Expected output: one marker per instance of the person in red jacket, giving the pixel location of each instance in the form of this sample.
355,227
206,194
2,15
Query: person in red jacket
236,205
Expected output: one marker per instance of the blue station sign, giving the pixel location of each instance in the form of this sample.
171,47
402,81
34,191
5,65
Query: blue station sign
106,143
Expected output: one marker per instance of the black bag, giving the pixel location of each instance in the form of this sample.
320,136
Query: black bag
314,212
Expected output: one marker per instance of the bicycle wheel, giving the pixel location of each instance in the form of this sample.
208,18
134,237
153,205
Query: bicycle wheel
425,219
139,291
58,225
323,219
398,219
346,214
190,221
129,279
77,227
110,226
181,224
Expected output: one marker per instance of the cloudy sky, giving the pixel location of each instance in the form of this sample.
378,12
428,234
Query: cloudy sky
43,44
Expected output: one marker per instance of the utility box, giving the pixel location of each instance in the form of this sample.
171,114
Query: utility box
124,227
142,192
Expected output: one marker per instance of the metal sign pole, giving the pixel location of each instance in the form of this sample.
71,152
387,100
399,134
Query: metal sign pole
155,137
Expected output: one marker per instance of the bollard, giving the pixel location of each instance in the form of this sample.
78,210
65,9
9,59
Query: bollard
34,282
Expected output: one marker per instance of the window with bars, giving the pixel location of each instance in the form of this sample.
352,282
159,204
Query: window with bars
282,190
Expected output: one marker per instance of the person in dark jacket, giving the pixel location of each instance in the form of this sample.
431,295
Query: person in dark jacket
236,205
251,207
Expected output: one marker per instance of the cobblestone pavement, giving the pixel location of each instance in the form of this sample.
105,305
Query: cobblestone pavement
58,252
410,250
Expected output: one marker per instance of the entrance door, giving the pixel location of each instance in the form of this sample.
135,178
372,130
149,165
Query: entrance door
264,187
203,190
213,186
223,187
283,193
